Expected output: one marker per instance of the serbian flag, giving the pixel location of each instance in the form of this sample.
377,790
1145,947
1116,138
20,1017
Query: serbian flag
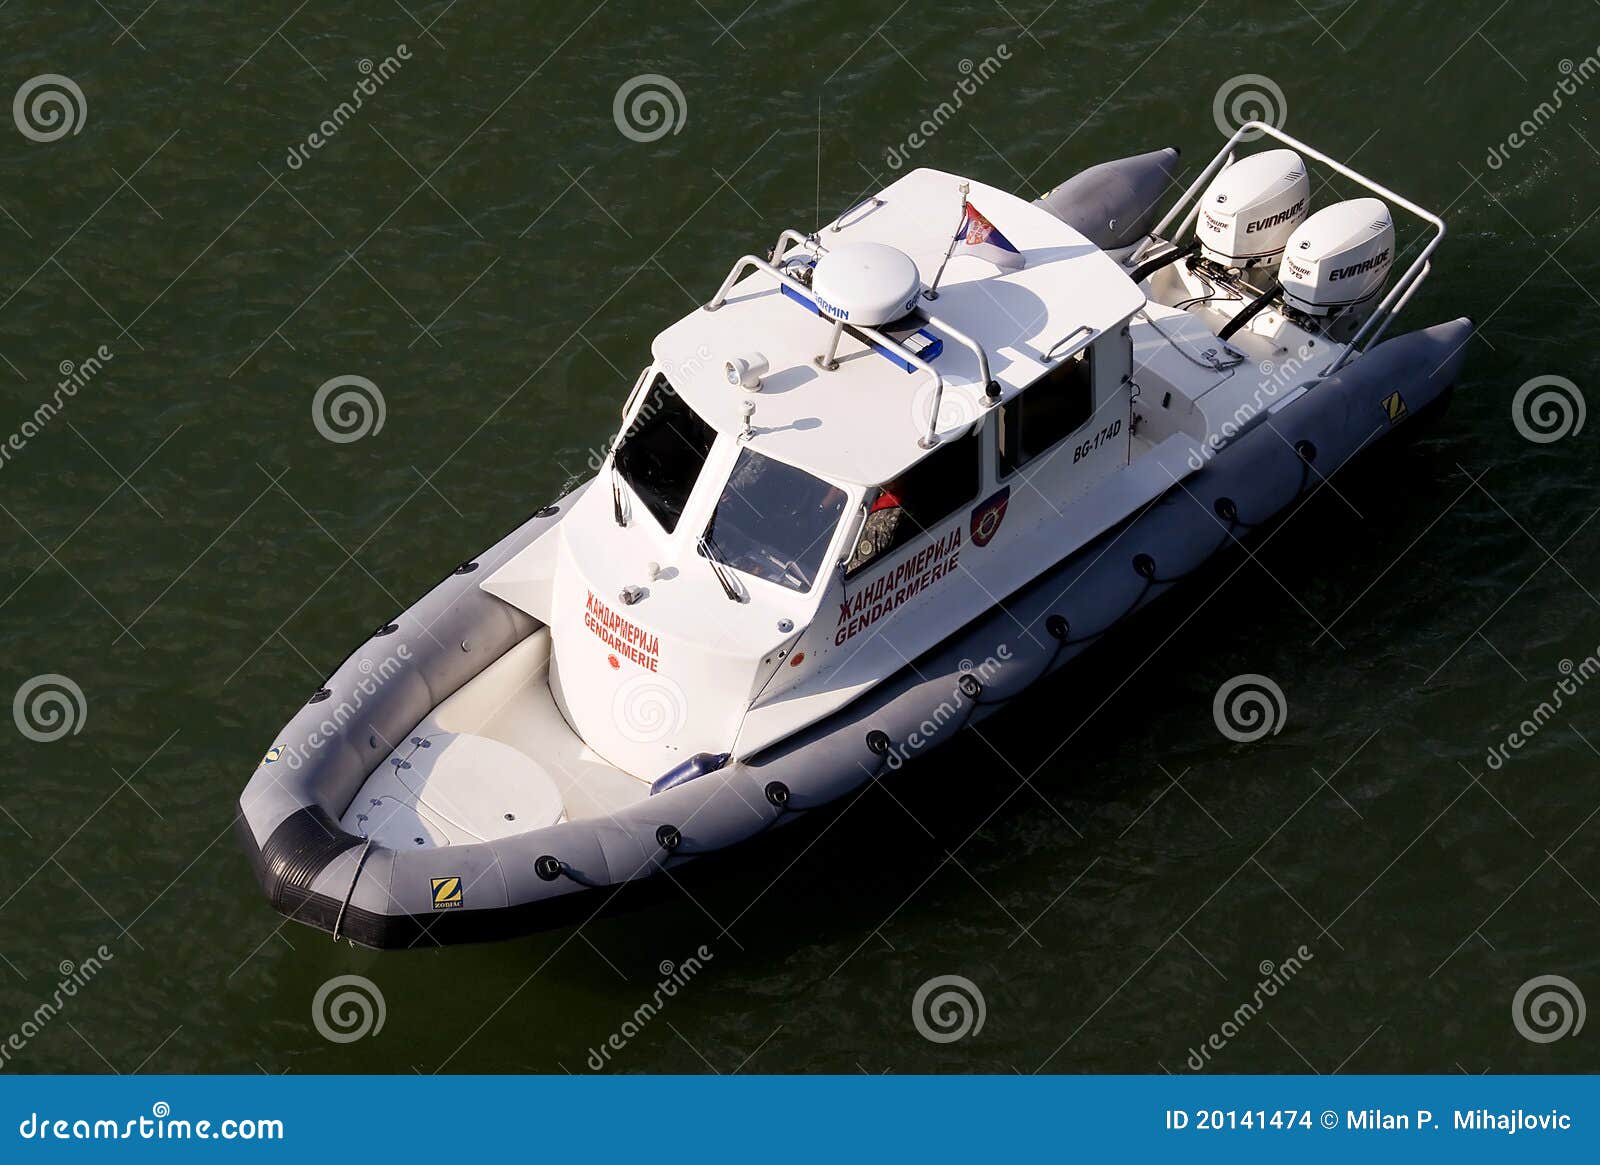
981,239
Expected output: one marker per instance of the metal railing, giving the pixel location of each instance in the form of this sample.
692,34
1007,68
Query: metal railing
929,439
1373,328
790,235
965,341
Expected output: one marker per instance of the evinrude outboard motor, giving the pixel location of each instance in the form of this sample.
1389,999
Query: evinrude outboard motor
1251,209
1336,263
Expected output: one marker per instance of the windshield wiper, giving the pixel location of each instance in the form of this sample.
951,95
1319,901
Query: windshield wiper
718,569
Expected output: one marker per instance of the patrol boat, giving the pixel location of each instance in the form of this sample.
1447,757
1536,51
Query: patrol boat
889,475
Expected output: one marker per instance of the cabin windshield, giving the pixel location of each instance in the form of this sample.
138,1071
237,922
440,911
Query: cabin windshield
661,454
774,521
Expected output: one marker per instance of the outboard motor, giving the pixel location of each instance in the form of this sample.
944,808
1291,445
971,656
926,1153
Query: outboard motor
1251,209
1337,262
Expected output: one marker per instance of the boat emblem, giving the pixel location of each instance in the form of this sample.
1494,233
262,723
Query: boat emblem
273,754
1395,406
447,892
986,518
614,662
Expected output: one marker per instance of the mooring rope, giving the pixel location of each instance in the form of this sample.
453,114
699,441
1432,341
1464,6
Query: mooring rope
361,860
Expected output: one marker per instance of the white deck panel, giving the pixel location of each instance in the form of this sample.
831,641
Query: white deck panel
860,424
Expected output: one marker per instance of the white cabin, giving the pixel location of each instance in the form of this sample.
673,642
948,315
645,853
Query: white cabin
732,576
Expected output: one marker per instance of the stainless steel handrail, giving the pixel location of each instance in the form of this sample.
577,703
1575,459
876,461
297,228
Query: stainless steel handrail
967,341
1403,288
757,263
633,394
1079,338
792,235
943,325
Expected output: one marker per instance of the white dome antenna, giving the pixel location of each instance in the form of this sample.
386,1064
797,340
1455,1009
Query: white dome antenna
865,284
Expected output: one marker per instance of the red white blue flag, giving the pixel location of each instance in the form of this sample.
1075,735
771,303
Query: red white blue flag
981,239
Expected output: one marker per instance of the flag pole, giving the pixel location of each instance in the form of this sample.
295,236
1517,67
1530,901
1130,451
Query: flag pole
933,288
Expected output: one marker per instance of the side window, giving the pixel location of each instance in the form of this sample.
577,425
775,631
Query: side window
1050,408
662,452
918,500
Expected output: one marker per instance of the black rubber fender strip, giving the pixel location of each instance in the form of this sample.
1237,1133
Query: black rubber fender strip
303,845
379,931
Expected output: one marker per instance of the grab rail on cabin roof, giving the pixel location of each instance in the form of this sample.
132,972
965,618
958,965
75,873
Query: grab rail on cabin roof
1383,315
806,243
929,439
813,246
990,389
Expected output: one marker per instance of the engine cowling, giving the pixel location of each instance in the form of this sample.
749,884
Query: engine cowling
1338,258
1252,207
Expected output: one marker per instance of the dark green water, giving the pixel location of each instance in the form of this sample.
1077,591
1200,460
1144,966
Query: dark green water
182,544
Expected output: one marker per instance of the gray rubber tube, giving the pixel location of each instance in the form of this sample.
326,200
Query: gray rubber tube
1114,204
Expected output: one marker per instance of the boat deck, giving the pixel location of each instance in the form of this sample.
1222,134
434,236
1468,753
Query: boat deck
520,767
